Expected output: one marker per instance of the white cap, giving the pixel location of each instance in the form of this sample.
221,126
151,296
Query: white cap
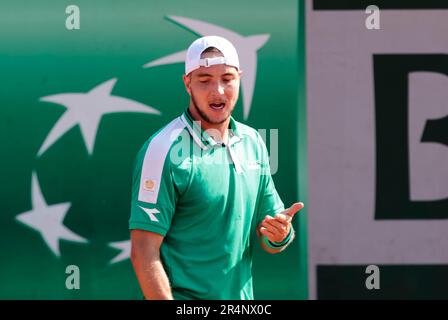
193,60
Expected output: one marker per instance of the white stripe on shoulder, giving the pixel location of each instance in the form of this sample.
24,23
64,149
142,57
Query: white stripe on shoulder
193,134
154,160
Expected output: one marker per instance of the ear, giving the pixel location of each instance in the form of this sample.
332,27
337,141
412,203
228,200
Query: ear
187,83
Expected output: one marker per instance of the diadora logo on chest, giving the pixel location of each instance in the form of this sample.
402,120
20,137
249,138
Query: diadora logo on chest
253,165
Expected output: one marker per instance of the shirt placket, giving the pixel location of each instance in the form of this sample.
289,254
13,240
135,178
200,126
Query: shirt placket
233,155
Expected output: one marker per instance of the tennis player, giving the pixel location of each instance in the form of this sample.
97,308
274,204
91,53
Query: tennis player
202,193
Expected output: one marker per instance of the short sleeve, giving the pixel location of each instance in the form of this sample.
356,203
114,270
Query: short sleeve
153,199
270,202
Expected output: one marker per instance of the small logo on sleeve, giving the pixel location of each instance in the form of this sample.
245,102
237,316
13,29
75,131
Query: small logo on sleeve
149,184
151,213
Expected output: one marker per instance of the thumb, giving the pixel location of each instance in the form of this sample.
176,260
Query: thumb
291,211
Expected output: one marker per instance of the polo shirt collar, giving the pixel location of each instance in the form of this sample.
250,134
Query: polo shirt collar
202,138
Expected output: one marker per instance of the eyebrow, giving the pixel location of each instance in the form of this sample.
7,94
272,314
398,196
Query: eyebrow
204,75
209,75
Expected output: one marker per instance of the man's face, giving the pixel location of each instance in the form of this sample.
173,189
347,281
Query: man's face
213,90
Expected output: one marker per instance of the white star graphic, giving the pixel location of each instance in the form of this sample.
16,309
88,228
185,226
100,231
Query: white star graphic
48,219
246,47
151,213
124,247
86,109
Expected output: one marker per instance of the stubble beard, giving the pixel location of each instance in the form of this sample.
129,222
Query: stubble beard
203,114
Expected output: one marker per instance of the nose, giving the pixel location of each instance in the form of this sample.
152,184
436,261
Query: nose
219,87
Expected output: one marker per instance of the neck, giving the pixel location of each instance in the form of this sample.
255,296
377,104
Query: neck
220,130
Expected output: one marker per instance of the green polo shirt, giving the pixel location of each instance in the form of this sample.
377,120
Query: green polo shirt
206,199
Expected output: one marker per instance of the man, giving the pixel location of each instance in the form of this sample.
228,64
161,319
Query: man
202,188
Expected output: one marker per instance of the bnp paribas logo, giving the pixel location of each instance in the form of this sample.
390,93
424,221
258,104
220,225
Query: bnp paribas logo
85,109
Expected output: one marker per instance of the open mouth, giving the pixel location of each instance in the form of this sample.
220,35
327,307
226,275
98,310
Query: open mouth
217,106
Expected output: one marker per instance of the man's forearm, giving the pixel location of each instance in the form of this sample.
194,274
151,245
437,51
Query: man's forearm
153,279
268,249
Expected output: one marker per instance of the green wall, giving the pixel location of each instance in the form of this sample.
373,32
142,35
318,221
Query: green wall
40,57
